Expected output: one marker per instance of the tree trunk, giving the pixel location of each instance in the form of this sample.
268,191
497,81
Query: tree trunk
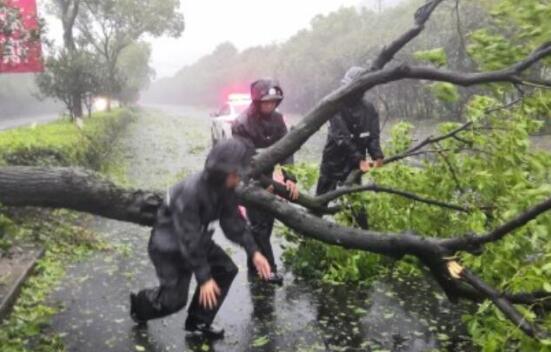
69,13
76,189
77,105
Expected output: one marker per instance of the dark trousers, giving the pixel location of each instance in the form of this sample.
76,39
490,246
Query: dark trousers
327,183
174,276
262,224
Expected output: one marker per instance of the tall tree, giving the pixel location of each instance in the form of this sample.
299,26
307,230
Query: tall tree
135,72
111,26
68,11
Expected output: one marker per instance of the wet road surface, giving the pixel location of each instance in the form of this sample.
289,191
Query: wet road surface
391,315
7,123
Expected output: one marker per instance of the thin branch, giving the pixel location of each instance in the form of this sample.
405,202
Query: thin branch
412,150
461,243
451,169
327,197
534,300
508,105
502,303
422,15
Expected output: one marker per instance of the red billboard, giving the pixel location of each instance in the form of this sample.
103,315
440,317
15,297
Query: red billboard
20,48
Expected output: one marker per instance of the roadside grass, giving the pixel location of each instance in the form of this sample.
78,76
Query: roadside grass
63,234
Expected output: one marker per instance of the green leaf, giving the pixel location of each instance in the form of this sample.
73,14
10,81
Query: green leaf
436,56
445,91
261,341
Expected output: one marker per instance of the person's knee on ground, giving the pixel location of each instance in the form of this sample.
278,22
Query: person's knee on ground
157,303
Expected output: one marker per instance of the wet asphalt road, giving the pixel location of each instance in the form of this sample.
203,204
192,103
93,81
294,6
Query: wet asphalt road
392,315
20,121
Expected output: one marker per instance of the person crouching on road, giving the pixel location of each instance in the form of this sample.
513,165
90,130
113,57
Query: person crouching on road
352,131
181,243
262,125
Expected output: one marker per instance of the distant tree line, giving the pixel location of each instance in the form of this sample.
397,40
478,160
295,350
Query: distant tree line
311,63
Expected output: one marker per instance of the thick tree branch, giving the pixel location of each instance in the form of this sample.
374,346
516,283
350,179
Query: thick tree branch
76,189
331,233
87,191
331,103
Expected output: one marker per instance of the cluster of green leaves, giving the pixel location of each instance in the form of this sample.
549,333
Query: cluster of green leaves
437,56
498,173
516,31
6,227
499,176
518,263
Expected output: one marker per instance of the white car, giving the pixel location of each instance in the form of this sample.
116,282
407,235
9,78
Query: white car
224,118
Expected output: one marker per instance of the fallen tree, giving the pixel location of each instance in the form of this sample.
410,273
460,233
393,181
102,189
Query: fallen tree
87,191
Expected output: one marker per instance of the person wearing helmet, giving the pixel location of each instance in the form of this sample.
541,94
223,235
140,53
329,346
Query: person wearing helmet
353,131
181,243
263,126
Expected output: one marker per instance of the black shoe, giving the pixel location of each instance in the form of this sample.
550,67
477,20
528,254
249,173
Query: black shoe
276,279
206,330
133,313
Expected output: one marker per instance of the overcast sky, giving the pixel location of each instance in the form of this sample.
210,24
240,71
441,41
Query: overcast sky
245,23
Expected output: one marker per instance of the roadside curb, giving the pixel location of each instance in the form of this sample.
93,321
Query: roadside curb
9,300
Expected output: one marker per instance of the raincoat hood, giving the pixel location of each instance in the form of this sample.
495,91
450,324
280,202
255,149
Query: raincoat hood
228,156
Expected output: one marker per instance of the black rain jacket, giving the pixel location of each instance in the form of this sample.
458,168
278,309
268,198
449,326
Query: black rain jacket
183,222
353,131
263,130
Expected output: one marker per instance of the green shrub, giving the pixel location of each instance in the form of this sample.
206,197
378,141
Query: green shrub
62,143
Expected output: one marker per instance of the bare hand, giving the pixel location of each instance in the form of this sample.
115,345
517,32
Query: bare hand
365,166
262,266
208,294
293,189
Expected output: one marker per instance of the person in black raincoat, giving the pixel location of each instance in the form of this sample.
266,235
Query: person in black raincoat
181,243
262,126
353,131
